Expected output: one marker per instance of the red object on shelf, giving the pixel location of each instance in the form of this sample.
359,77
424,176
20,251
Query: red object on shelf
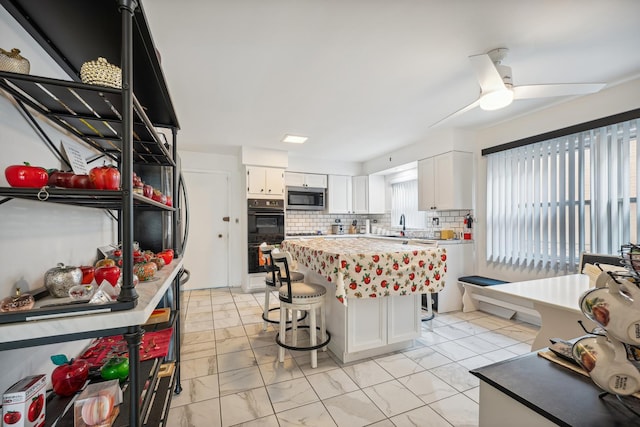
154,344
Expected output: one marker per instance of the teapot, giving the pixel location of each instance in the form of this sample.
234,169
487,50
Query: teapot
605,359
615,307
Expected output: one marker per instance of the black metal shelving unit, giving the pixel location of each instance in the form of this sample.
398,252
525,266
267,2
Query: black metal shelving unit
117,124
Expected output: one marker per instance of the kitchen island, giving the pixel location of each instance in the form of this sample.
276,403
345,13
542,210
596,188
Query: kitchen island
374,290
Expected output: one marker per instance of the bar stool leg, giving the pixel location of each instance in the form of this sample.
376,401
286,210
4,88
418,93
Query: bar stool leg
283,330
312,336
294,327
323,326
267,295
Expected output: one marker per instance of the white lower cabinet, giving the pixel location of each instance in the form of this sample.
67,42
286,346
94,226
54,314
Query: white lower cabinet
459,263
374,323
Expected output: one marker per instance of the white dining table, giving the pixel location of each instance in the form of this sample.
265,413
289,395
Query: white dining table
557,301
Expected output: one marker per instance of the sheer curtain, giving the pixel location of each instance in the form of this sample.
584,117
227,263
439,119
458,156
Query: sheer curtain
549,201
404,200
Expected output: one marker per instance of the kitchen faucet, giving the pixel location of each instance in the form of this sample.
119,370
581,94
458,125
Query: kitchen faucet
403,223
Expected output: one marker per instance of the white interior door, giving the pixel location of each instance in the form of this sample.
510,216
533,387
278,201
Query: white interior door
206,255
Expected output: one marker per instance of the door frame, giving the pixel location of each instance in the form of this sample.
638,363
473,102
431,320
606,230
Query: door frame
227,175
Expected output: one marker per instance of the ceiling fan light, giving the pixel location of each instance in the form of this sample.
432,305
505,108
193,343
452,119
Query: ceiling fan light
496,99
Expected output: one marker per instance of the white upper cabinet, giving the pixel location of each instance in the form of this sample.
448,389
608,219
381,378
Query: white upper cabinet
368,194
445,182
360,194
339,194
263,181
295,179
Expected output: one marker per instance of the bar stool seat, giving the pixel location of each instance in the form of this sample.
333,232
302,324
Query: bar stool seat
295,297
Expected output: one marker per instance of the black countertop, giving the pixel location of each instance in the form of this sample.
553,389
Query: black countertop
557,393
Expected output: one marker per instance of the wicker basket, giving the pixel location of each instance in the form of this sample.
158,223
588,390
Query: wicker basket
101,73
13,62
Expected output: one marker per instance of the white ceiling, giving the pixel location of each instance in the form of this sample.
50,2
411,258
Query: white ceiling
363,77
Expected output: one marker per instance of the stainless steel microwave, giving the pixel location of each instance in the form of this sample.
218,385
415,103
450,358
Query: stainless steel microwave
305,198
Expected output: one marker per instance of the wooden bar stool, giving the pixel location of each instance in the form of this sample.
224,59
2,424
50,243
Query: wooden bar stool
299,296
271,283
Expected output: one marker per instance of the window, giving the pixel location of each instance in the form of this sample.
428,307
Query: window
404,200
550,200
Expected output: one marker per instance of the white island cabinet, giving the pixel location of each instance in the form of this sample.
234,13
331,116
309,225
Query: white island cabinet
374,288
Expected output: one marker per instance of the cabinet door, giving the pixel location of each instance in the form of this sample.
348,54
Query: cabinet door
453,181
366,323
294,179
460,261
360,194
274,181
315,180
339,194
426,179
403,318
377,191
256,180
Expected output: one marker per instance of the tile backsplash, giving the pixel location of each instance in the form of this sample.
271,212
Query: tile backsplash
312,222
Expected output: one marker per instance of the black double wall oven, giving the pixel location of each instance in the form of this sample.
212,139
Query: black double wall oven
265,222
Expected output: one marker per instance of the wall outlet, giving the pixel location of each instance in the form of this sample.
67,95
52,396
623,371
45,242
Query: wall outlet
435,221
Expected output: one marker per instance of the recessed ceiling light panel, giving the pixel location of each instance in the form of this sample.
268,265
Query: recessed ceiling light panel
295,139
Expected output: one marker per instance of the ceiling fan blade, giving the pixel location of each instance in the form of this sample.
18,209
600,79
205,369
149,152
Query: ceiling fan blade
457,113
487,74
545,91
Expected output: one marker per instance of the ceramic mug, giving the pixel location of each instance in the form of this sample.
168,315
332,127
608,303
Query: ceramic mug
607,364
616,308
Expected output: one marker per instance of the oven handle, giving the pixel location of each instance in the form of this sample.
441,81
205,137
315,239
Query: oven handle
267,213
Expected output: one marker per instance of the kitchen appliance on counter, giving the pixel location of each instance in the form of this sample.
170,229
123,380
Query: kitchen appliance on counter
305,198
265,223
337,228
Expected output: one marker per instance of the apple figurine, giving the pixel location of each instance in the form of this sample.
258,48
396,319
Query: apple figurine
159,197
109,273
116,368
166,255
88,272
69,376
147,191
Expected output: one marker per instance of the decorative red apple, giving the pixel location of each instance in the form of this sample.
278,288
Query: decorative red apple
109,273
166,255
88,272
69,376
105,178
147,191
159,197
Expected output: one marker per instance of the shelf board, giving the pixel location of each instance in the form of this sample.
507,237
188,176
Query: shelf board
92,113
101,199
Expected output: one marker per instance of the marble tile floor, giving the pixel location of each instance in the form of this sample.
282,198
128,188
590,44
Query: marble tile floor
231,377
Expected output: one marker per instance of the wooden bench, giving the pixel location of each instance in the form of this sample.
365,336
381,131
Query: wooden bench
478,295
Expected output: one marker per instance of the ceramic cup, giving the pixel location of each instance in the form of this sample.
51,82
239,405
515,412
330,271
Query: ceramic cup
616,308
605,359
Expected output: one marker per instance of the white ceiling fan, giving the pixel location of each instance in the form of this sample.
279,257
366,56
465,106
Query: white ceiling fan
498,91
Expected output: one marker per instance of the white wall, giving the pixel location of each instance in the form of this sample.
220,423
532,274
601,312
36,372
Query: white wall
609,101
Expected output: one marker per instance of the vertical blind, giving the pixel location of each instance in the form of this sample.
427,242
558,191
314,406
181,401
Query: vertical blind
549,201
404,200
